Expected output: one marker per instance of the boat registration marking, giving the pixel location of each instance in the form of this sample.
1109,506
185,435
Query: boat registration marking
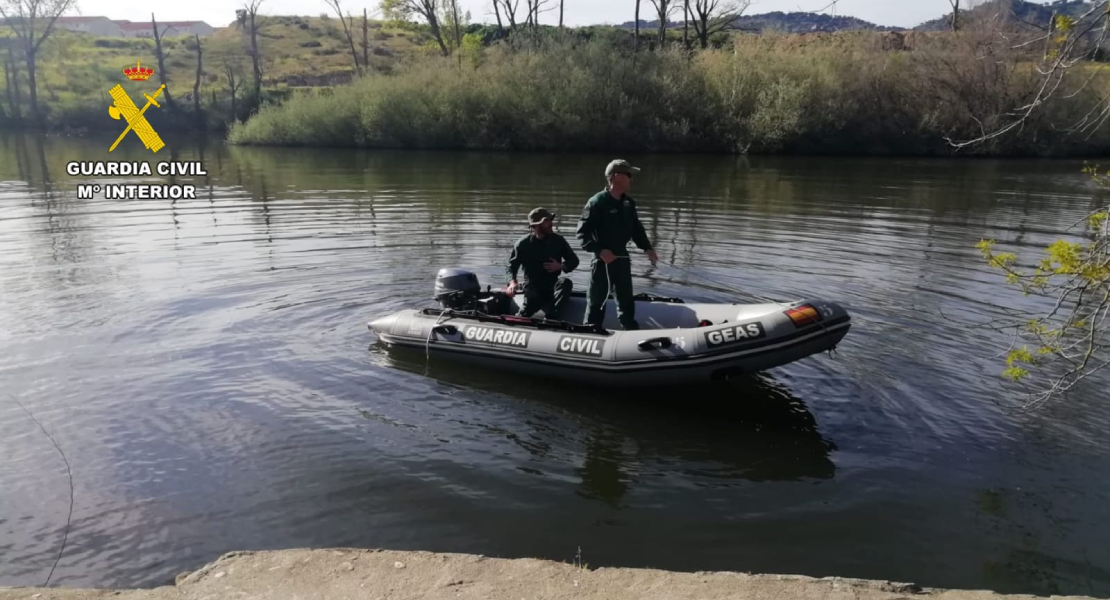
743,332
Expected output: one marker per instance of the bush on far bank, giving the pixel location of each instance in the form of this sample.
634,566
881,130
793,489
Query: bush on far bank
762,94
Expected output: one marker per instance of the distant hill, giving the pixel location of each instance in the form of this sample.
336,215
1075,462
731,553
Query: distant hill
1029,12
803,22
794,22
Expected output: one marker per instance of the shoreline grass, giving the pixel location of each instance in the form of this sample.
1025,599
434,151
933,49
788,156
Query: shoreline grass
760,95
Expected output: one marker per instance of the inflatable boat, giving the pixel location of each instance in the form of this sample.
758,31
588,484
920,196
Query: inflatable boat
677,342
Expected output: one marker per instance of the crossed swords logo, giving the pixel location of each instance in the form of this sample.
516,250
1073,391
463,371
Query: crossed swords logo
125,108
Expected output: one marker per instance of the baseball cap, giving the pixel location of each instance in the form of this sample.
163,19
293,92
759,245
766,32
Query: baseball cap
539,215
620,166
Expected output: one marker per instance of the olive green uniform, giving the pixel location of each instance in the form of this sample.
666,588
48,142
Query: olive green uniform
608,223
542,290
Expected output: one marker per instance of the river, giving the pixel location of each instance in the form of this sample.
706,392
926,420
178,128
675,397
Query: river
206,367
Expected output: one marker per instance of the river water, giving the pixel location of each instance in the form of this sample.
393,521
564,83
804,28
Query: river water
206,368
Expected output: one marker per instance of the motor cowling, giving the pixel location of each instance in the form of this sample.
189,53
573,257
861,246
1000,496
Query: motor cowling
456,288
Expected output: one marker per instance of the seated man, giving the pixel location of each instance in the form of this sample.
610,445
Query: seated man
543,254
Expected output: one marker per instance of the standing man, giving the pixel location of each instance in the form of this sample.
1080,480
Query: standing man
608,222
543,254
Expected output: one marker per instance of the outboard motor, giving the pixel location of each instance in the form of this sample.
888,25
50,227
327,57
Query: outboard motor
457,288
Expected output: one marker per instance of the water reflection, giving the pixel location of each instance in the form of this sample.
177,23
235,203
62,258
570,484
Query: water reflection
715,435
206,361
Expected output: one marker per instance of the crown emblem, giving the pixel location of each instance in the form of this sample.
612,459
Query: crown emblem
138,73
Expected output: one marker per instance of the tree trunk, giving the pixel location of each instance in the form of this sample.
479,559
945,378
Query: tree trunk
433,23
636,43
8,84
703,32
255,59
365,43
196,84
955,14
561,2
497,12
686,24
36,116
161,63
230,74
664,10
13,91
455,24
348,23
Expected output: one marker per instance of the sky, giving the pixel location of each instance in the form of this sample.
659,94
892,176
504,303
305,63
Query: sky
218,13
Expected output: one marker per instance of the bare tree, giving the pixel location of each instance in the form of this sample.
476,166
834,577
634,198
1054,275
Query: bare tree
429,9
535,7
14,99
714,16
561,2
509,7
685,23
636,31
453,5
196,81
160,55
955,14
248,21
8,83
337,7
663,10
365,41
33,22
497,12
234,82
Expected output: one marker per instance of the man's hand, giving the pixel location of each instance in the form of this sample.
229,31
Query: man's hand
510,290
653,257
607,256
553,266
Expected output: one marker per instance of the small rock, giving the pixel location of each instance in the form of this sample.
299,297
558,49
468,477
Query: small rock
575,583
347,566
219,575
36,595
398,565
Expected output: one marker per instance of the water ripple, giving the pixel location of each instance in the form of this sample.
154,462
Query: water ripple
206,366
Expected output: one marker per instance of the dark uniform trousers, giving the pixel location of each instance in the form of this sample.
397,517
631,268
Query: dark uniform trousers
619,280
542,297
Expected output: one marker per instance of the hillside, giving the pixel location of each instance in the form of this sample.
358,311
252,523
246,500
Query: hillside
794,22
76,70
1030,12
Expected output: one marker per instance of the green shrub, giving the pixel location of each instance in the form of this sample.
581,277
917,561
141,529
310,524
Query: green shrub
555,90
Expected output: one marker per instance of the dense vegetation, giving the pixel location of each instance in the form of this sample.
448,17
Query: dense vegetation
858,93
545,88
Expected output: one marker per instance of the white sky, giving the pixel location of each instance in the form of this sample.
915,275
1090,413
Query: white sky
897,13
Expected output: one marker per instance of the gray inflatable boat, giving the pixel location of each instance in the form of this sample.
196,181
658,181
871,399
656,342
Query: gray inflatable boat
677,342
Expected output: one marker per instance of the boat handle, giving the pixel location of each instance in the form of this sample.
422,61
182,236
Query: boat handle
658,343
445,329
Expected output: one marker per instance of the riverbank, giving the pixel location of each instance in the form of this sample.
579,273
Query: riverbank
387,575
765,94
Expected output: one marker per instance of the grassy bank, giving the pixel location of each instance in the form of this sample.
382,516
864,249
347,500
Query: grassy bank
845,94
76,70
